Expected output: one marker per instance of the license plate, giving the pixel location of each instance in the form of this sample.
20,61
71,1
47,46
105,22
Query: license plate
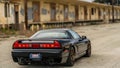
35,56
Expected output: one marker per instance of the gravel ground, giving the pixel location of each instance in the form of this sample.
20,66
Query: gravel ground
105,48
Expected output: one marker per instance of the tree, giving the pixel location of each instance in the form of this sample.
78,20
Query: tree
116,2
100,1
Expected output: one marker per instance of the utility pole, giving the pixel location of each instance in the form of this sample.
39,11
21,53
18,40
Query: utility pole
113,18
7,4
117,2
26,14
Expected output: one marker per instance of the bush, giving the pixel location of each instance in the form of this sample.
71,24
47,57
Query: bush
8,31
93,23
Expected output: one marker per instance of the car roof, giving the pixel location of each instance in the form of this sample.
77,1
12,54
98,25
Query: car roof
59,30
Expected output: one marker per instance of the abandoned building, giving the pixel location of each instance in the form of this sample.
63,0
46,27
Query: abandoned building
37,14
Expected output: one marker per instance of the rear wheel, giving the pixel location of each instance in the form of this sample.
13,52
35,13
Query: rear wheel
88,51
71,59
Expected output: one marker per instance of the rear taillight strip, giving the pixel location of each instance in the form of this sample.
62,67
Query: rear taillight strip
17,45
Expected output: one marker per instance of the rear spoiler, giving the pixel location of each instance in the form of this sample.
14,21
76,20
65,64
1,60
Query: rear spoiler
37,41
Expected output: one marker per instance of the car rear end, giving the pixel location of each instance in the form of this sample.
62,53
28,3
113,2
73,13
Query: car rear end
45,46
48,52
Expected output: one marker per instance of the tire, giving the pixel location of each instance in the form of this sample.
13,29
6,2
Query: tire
22,62
88,51
71,59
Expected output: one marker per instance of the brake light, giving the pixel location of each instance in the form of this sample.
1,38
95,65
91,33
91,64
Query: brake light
18,45
56,44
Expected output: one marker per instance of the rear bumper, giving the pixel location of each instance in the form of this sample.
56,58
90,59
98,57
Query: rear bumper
43,52
57,54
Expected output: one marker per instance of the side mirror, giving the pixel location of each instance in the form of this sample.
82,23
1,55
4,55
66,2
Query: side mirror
84,37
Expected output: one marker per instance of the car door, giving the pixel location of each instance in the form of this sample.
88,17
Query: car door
79,44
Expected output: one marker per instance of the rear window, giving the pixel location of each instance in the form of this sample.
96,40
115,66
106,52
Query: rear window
50,34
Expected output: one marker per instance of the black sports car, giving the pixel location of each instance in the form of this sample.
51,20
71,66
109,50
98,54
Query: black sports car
52,46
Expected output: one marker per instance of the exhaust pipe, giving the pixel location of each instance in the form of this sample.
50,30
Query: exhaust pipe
50,61
22,61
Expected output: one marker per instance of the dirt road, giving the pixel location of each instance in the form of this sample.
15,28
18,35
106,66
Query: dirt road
105,49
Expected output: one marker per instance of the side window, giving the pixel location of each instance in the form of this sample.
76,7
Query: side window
74,34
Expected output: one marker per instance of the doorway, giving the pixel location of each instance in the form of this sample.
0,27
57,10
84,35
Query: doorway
76,12
85,13
53,11
36,11
16,17
99,13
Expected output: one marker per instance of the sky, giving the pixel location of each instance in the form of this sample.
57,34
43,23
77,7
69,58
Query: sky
88,0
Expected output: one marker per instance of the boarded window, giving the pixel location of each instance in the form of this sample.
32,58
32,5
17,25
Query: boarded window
7,9
66,11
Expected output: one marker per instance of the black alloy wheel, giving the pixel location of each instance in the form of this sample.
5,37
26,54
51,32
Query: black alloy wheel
71,58
88,51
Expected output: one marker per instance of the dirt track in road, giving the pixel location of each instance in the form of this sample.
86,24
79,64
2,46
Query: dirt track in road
105,48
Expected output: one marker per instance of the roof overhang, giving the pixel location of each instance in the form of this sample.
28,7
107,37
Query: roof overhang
73,2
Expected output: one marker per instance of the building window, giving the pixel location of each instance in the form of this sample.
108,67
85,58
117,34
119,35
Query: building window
95,10
92,11
7,9
66,11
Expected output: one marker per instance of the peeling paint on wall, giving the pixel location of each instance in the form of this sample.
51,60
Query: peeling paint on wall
22,11
44,11
71,14
12,10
